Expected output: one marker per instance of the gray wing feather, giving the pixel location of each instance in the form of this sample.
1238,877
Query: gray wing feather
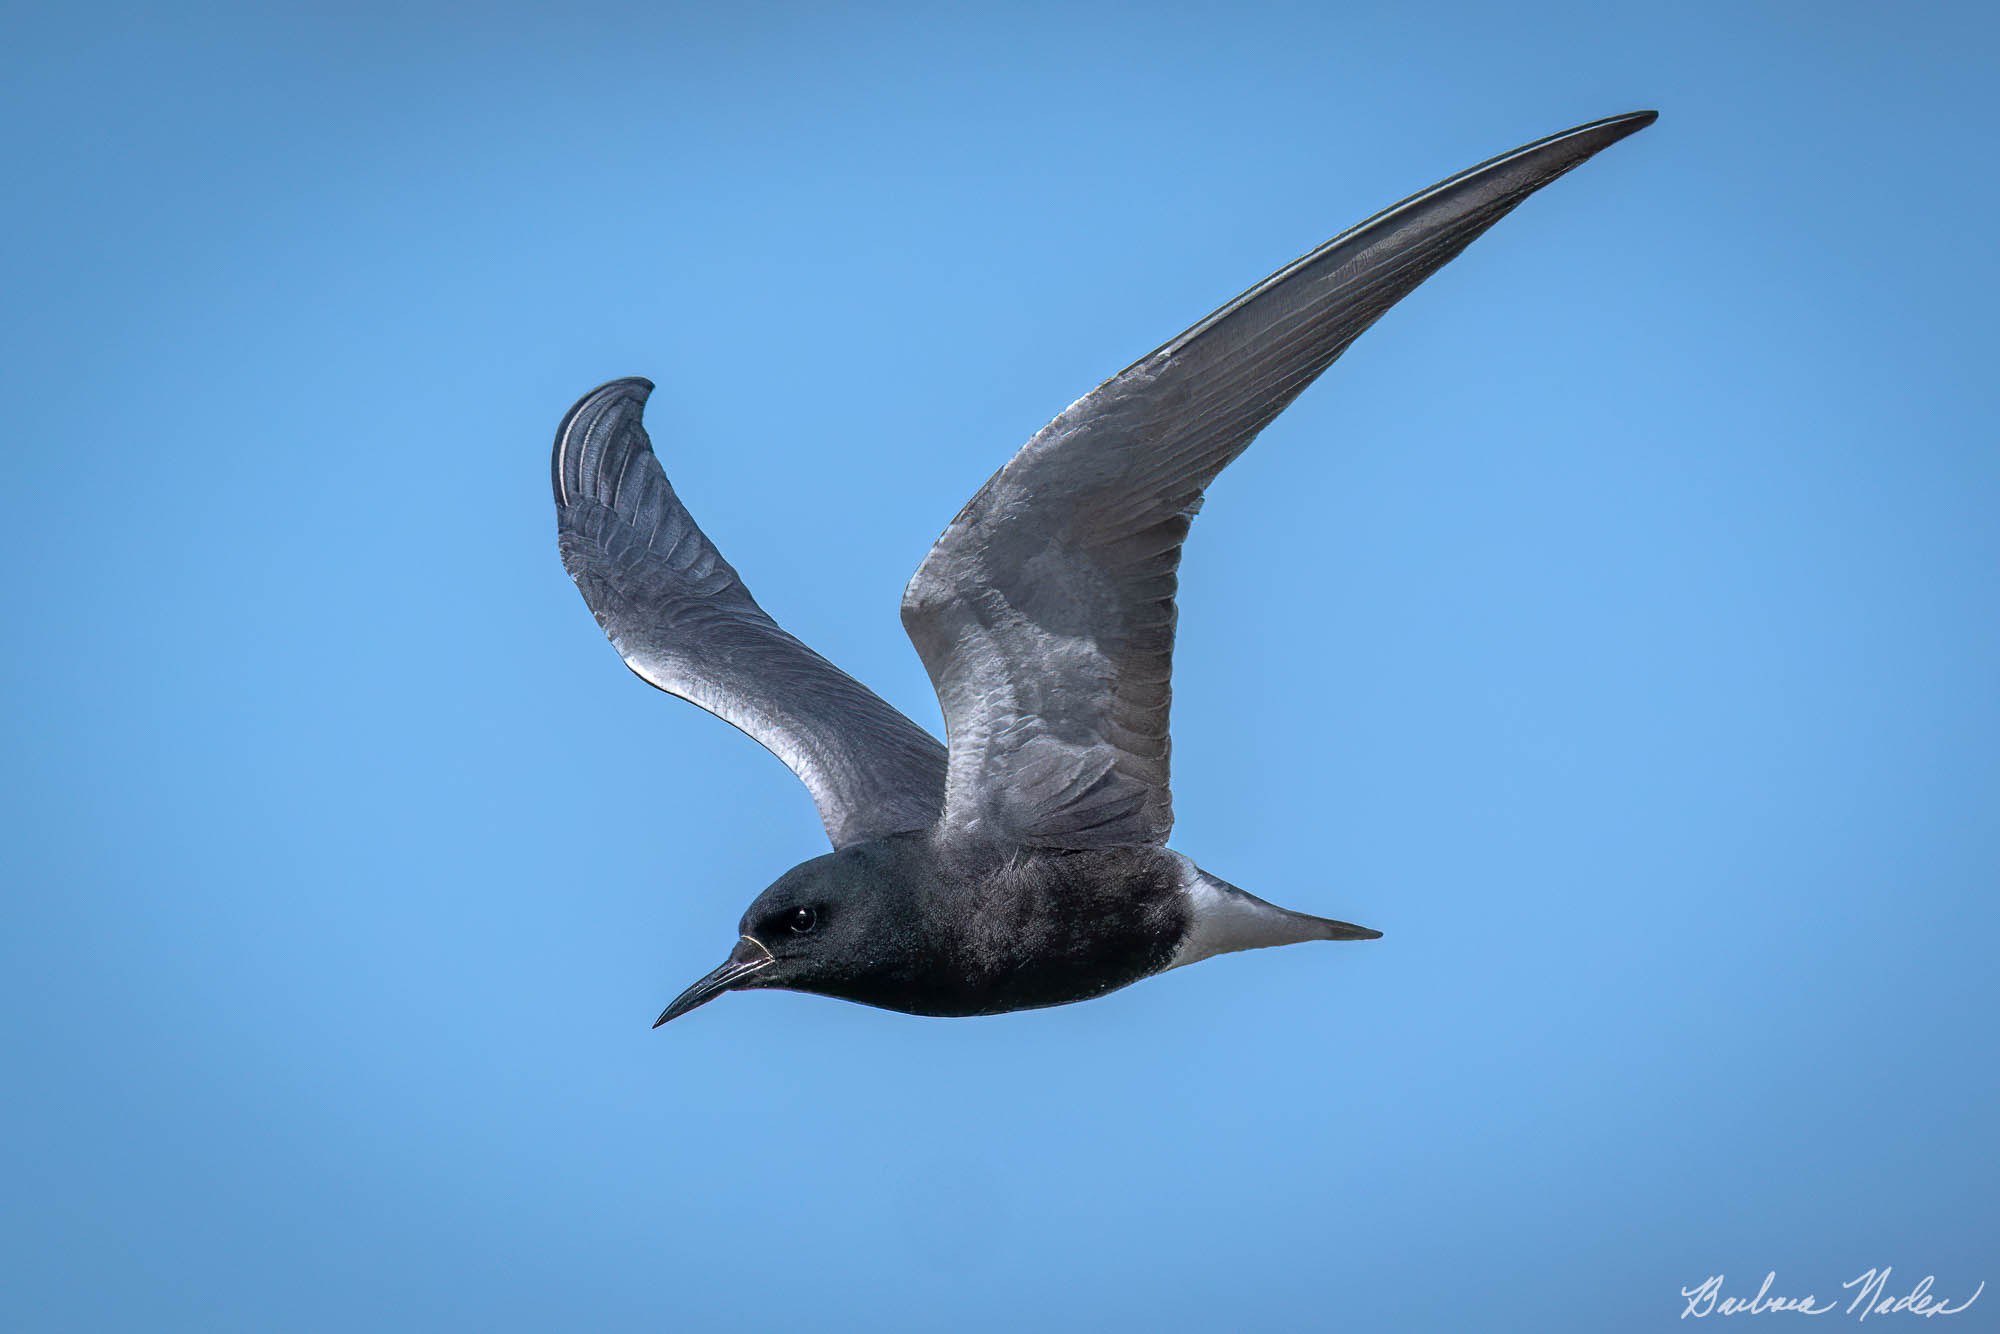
683,621
1045,613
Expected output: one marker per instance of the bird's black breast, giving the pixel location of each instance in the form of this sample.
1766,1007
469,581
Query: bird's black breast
989,934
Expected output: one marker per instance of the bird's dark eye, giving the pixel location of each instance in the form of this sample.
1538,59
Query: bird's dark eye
802,920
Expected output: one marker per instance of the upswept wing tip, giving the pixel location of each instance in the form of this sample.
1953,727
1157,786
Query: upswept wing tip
1637,120
1592,137
630,390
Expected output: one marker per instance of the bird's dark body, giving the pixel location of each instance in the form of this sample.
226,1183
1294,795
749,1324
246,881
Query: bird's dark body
937,929
1024,864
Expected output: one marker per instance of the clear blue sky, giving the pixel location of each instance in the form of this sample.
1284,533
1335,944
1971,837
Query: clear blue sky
1614,627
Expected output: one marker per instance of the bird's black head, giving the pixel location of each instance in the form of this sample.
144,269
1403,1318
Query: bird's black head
839,925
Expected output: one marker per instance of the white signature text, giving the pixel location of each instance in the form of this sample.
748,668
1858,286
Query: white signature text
1872,1296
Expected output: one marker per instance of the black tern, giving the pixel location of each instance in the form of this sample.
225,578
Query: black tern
1024,863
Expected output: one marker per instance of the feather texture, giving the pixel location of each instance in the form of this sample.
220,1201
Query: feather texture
1045,613
683,621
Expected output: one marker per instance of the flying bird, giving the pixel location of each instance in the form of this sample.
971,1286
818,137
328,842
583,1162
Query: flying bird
1024,863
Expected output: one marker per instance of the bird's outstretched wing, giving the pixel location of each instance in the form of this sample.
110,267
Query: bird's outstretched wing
683,621
1045,613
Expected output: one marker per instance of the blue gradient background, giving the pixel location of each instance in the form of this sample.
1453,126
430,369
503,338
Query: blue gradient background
1614,627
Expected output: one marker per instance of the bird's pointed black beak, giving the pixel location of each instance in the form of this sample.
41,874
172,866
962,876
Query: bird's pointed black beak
747,959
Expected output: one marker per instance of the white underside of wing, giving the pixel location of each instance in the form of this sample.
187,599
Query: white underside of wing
732,709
